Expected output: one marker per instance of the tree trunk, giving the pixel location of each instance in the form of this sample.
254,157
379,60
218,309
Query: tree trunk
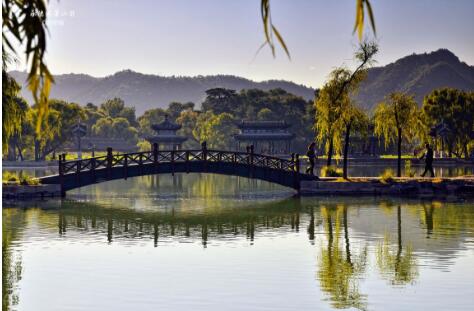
346,149
20,154
11,155
331,143
37,150
466,154
399,162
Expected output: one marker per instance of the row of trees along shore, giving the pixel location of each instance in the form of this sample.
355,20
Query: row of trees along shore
333,118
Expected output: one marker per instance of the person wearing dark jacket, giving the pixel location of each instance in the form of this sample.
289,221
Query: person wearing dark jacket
311,154
428,155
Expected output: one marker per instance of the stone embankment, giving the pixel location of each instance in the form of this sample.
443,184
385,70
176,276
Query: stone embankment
459,187
25,192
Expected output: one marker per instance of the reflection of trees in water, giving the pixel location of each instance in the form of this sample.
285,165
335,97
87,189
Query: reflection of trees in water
339,269
123,223
441,218
397,263
13,221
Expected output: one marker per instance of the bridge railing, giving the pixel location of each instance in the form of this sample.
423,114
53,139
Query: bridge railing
172,156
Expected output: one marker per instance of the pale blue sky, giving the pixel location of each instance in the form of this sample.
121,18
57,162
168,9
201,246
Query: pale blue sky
203,37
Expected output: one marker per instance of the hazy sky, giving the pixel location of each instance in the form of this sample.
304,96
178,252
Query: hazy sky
203,37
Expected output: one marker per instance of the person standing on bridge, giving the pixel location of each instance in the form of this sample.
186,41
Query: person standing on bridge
428,155
311,154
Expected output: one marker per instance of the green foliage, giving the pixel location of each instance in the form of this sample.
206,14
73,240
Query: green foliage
143,145
115,128
13,110
25,21
115,108
331,171
188,119
455,109
216,130
387,176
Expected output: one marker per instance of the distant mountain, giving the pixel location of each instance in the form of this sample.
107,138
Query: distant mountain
151,91
416,74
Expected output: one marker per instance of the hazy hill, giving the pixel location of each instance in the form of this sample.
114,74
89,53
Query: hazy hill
151,91
416,74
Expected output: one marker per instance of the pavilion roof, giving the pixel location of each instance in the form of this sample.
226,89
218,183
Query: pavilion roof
247,124
166,125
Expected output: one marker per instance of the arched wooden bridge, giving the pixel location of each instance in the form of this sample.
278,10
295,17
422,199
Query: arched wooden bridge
79,173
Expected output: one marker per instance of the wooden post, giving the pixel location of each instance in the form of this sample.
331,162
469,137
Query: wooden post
78,170
93,165
204,154
204,151
297,172
155,156
140,162
251,154
172,162
297,163
61,175
187,161
125,166
109,162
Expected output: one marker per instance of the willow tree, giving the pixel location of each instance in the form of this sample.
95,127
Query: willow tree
396,118
335,112
13,113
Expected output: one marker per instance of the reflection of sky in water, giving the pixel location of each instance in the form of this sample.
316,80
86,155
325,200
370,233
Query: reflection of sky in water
206,242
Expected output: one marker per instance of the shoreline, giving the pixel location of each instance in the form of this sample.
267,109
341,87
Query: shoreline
453,188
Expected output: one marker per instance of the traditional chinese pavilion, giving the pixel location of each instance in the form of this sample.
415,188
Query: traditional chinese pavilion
166,136
269,137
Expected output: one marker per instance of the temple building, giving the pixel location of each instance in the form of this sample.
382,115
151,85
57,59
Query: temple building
268,137
166,136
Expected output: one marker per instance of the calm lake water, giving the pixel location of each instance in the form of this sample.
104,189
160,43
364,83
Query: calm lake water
207,242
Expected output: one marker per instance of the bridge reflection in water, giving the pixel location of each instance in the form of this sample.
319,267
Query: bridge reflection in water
391,238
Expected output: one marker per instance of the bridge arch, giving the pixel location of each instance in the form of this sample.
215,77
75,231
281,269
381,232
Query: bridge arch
80,173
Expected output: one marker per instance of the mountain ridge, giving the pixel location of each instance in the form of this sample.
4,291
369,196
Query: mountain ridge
416,74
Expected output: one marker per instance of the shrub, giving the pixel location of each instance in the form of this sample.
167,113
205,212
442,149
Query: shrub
387,176
9,177
19,179
331,171
408,171
29,180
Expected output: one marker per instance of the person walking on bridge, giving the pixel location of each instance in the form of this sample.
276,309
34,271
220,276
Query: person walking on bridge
311,154
428,155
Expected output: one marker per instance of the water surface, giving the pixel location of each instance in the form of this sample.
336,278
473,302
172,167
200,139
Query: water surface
207,242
